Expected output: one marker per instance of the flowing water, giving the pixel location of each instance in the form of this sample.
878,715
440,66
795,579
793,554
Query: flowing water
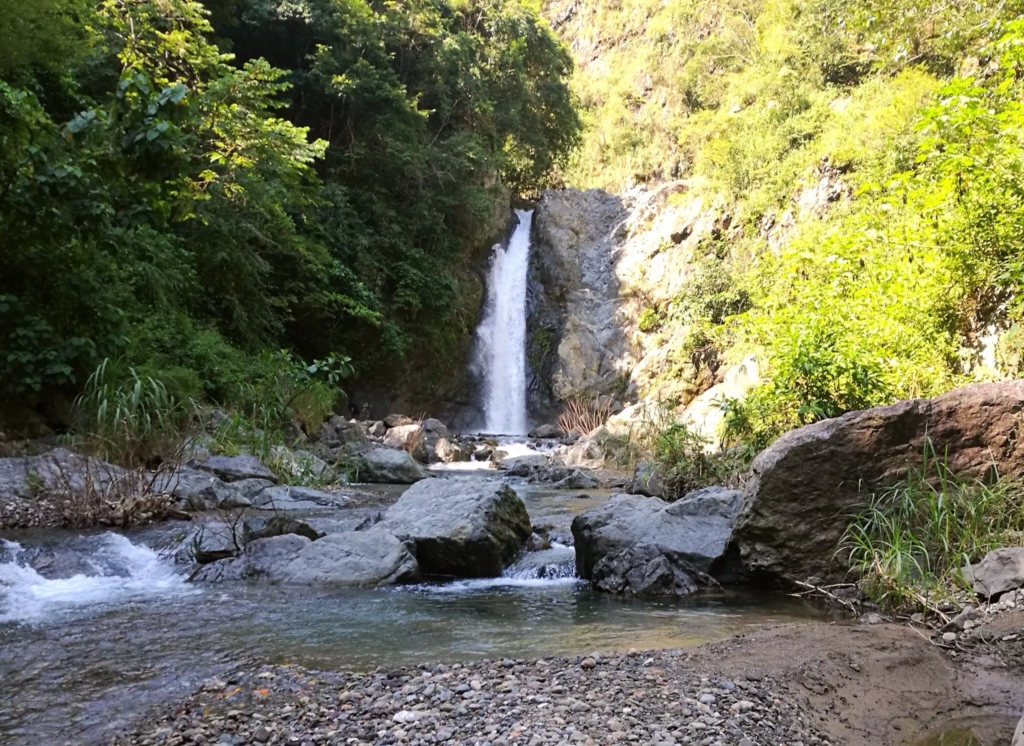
501,335
96,629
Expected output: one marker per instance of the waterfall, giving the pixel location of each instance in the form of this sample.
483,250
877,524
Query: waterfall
501,336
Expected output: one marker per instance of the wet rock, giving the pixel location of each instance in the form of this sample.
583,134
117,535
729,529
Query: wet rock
524,466
1000,570
250,488
408,438
197,490
466,527
578,479
448,451
350,559
545,432
388,466
234,468
646,570
297,498
646,481
618,544
257,528
804,485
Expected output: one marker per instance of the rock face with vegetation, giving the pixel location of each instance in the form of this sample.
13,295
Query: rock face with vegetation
805,488
645,546
463,528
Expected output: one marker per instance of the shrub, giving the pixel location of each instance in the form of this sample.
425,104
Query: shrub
909,543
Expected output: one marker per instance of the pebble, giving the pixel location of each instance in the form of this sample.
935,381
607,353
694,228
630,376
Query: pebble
631,699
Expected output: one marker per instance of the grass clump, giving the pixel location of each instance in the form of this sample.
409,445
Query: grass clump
910,543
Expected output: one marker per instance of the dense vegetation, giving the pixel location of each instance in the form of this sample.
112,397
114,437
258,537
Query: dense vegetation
185,186
910,112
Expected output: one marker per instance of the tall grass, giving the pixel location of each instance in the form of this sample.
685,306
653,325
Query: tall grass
129,418
910,543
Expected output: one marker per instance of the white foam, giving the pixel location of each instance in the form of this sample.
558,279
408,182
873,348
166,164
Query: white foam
27,596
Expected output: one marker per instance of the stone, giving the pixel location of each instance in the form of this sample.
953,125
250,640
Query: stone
301,465
578,479
546,432
234,468
1018,735
999,571
646,481
465,527
338,431
434,429
282,498
803,487
692,532
524,466
646,570
388,466
376,429
255,529
250,488
448,451
967,616
198,490
408,438
348,559
397,420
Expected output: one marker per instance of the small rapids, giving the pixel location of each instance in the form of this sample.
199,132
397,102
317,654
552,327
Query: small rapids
548,568
119,572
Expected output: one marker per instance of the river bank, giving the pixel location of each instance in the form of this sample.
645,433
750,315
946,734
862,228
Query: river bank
820,683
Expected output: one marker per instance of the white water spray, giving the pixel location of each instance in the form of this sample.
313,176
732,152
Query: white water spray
501,336
27,596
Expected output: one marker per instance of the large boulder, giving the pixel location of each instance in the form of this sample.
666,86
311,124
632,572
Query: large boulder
1001,570
467,528
198,490
293,498
805,486
349,559
388,466
449,451
234,468
645,546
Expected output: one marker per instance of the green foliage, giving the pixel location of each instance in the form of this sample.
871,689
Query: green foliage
650,320
908,544
128,418
185,208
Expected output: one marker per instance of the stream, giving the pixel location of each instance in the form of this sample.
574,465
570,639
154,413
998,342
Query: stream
97,628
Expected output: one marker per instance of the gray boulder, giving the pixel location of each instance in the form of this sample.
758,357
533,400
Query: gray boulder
350,559
617,542
804,487
234,468
197,490
544,432
646,570
464,528
578,479
376,429
388,466
524,466
259,528
646,481
1018,735
1000,570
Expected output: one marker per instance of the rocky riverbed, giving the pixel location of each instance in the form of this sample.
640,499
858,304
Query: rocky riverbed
859,685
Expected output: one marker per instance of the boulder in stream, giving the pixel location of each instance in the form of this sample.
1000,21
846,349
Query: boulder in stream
463,528
388,466
408,438
645,546
350,559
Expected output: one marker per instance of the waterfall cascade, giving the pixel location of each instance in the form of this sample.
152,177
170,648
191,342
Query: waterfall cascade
501,336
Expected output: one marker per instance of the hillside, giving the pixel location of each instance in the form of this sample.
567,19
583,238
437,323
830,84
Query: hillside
830,187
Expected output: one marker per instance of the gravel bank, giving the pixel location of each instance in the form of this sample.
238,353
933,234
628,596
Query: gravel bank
629,698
